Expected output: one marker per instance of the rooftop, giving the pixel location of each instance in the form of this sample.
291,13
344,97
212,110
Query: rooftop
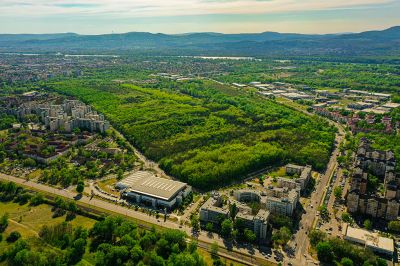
368,238
146,183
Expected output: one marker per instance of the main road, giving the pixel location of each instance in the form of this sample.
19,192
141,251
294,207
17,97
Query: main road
242,255
301,241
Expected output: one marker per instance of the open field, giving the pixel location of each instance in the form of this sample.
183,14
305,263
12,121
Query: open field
28,220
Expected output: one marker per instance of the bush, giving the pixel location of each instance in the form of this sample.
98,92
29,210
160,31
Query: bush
58,212
3,222
80,186
13,236
394,226
29,162
37,199
70,216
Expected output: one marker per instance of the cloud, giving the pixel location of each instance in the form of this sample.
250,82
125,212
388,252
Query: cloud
156,8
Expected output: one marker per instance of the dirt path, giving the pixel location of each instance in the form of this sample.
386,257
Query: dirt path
24,226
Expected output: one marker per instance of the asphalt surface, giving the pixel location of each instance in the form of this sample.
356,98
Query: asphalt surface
244,254
301,241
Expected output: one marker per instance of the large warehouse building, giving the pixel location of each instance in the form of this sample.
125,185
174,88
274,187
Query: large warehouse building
144,187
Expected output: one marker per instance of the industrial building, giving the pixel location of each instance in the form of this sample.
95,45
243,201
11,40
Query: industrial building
371,240
143,187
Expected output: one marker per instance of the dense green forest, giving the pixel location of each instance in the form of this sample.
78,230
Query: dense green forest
205,133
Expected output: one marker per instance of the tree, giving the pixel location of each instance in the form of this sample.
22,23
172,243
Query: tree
37,199
120,174
209,227
346,217
13,236
195,223
136,253
368,224
346,262
80,186
316,236
226,227
214,249
249,235
76,130
281,236
325,252
323,211
394,226
233,211
338,192
77,250
3,222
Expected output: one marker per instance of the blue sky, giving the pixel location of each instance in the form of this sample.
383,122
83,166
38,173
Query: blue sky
179,16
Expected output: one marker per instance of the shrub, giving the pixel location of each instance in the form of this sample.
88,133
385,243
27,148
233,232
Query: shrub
13,236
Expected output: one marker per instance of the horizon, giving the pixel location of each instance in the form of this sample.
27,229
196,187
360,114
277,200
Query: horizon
199,32
95,17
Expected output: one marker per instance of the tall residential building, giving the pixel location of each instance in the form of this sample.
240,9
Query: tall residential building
281,201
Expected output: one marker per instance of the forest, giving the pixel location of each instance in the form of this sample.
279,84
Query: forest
205,133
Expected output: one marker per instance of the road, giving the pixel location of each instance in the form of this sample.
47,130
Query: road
240,254
301,241
148,164
332,226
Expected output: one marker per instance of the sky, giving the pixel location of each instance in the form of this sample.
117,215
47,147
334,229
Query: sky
182,16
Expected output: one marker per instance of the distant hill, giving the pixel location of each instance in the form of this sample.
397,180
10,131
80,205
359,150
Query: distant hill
385,42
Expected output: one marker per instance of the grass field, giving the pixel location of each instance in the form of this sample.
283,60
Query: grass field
104,185
208,259
28,220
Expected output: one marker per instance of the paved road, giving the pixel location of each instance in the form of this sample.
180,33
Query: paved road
148,164
301,238
301,241
241,254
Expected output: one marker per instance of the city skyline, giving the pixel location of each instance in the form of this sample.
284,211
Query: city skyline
177,16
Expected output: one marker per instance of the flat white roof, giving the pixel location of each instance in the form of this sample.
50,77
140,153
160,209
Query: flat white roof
391,105
370,239
146,183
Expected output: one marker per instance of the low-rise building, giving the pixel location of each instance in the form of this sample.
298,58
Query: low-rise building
371,240
144,187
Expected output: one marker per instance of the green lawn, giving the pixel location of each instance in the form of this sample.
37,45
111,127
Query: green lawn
28,220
